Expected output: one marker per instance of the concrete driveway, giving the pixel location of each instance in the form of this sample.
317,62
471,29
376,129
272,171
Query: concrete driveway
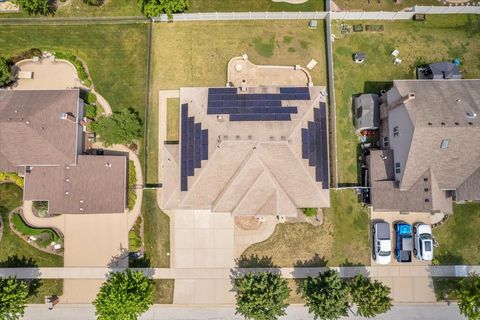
415,289
202,239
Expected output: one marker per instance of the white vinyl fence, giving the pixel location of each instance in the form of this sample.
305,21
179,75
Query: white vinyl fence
342,15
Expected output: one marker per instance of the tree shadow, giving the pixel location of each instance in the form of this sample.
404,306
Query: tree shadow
348,263
449,258
120,260
315,261
143,262
252,264
33,273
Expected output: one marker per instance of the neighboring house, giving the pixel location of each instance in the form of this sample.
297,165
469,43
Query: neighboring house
440,70
431,153
42,139
367,112
259,152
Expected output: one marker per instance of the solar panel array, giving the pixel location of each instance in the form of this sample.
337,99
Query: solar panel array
254,106
315,145
194,147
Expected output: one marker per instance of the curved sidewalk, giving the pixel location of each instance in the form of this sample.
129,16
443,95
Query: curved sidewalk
57,222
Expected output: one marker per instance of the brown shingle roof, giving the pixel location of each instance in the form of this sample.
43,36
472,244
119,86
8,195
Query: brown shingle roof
439,111
31,131
97,184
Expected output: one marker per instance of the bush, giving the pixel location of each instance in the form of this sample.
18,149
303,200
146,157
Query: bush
310,212
82,73
90,111
48,235
132,181
93,2
11,177
4,72
28,54
41,206
35,6
119,128
154,8
91,97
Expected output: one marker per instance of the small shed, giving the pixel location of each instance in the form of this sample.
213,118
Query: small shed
367,112
443,70
359,57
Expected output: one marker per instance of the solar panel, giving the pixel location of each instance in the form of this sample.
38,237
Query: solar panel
304,143
215,91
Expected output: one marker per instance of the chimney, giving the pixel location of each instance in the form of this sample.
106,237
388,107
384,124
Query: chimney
67,116
402,100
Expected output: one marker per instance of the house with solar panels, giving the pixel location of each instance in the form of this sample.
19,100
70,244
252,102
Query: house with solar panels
249,151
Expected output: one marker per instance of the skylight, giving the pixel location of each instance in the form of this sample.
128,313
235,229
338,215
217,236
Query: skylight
444,144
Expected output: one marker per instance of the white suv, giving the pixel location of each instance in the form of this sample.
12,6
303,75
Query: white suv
382,244
423,249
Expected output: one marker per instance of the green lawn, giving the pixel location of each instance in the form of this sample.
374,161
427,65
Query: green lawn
445,288
45,287
44,236
115,55
342,239
173,119
252,5
78,8
435,40
383,5
14,251
132,181
151,174
459,238
156,232
163,291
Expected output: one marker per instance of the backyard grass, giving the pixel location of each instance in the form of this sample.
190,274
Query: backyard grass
163,293
437,39
156,232
115,55
151,169
383,5
45,287
14,251
458,237
252,5
342,239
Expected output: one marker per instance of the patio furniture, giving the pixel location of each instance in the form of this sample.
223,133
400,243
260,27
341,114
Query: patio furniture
238,67
397,61
36,59
395,53
25,75
312,64
313,24
245,57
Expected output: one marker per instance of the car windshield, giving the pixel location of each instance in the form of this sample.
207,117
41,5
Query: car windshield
425,236
428,246
384,253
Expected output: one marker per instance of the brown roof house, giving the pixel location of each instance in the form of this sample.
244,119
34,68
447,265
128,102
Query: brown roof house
430,134
249,151
41,138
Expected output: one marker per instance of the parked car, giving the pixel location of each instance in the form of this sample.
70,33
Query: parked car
423,249
404,242
382,243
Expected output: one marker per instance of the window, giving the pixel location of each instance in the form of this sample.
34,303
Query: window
397,167
359,112
396,133
385,142
426,189
444,144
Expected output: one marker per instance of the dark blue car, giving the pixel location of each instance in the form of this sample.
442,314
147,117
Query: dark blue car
404,242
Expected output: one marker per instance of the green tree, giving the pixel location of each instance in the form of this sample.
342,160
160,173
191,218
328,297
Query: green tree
154,8
35,6
13,298
124,296
371,298
4,72
262,296
326,296
468,294
119,128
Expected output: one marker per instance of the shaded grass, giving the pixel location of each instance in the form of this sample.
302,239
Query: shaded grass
342,239
458,238
163,293
173,119
445,288
435,40
10,244
252,5
46,287
156,231
115,55
295,295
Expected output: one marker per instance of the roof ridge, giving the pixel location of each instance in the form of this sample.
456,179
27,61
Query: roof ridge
249,190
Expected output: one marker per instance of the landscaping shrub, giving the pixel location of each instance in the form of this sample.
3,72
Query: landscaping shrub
94,2
82,73
45,236
4,72
41,206
90,111
134,238
132,180
310,212
35,6
91,98
154,8
11,177
28,54
119,128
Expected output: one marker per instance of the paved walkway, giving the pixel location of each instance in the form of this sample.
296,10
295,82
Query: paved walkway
163,95
437,311
96,273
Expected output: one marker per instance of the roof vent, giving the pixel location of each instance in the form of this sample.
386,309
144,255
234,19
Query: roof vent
16,111
81,209
67,116
67,193
108,165
67,180
27,122
471,115
458,100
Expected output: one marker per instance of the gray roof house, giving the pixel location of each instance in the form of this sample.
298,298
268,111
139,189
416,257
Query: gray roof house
431,146
367,113
262,151
41,138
